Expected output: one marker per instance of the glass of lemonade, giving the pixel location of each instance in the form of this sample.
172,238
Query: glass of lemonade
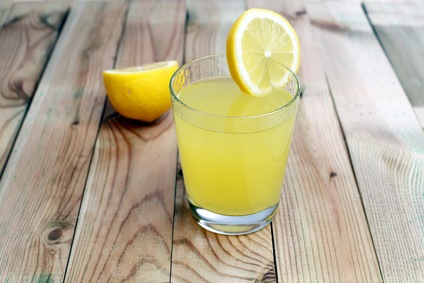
233,147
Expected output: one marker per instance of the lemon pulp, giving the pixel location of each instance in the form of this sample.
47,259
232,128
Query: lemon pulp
260,45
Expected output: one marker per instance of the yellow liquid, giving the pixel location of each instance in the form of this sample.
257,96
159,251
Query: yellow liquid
233,166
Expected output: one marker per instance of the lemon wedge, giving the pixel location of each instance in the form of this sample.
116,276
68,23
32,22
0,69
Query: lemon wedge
142,92
259,43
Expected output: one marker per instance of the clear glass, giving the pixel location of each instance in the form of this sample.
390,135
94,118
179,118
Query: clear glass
233,166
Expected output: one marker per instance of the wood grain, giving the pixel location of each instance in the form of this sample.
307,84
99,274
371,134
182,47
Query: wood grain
400,29
290,9
125,225
321,232
208,25
4,11
385,140
198,255
42,185
25,43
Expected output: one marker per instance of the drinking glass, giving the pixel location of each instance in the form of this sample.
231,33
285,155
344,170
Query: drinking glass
233,166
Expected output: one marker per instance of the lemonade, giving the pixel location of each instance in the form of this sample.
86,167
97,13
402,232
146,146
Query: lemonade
233,154
234,115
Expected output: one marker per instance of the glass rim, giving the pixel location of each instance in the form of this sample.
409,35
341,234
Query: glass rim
194,61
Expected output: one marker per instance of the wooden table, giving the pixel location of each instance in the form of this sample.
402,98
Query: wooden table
88,196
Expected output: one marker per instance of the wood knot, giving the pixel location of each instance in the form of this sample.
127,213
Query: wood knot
300,13
332,174
268,276
58,234
55,234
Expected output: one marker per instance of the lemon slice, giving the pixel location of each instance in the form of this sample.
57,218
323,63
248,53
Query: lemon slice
258,44
141,92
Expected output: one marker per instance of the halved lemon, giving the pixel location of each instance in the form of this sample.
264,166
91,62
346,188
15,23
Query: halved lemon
260,43
141,92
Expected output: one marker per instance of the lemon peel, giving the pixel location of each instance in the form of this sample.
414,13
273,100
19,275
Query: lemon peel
140,92
260,43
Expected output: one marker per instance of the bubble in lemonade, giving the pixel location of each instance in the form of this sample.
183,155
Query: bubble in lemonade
233,165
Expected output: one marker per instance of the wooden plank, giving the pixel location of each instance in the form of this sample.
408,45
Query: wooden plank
43,182
125,225
25,43
320,232
400,28
385,140
208,25
198,255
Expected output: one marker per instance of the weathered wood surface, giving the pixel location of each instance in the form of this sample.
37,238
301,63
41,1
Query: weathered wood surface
43,182
207,30
4,12
351,209
385,140
125,225
198,255
26,39
320,232
400,28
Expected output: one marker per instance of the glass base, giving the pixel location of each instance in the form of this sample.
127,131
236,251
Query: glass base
232,225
